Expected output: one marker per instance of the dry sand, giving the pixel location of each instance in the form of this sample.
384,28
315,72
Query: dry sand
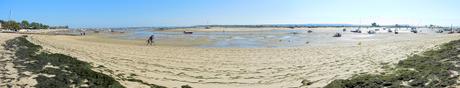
241,67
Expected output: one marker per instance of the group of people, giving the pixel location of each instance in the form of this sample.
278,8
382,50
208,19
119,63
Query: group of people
82,33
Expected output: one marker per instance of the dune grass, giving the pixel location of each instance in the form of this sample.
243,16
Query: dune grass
430,69
65,71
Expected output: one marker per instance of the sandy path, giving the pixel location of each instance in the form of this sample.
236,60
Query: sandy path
243,67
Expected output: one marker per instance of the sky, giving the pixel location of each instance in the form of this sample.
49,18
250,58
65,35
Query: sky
153,13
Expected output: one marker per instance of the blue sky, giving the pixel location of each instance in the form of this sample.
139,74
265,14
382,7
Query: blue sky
124,13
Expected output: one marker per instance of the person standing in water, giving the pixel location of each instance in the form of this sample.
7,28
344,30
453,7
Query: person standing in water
150,40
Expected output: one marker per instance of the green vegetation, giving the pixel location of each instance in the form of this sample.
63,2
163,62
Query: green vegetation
65,72
11,24
25,24
431,69
375,25
35,25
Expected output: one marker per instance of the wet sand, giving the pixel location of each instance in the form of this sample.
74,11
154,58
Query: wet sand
173,66
222,29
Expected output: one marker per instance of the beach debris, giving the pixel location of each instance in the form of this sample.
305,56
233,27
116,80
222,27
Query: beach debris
389,30
376,29
162,29
309,31
344,29
451,31
188,32
306,82
207,27
337,35
307,42
447,29
371,32
413,30
439,31
294,33
356,31
186,86
396,32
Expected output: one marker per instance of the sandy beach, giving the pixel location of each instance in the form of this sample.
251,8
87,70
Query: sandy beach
173,66
229,44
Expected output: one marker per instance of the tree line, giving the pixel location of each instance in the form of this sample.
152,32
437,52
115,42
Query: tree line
11,24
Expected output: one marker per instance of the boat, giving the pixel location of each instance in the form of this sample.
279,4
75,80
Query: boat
188,32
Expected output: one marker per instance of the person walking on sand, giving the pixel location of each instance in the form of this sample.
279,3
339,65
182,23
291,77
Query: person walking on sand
150,40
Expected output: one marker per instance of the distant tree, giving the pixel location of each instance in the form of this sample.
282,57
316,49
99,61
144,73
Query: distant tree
432,26
34,25
11,25
375,24
45,27
25,24
2,24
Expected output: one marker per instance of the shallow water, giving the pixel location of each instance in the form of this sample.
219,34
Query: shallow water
262,39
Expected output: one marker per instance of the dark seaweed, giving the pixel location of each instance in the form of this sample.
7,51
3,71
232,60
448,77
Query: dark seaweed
431,69
67,71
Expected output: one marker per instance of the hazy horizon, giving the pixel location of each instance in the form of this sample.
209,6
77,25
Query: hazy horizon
152,13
